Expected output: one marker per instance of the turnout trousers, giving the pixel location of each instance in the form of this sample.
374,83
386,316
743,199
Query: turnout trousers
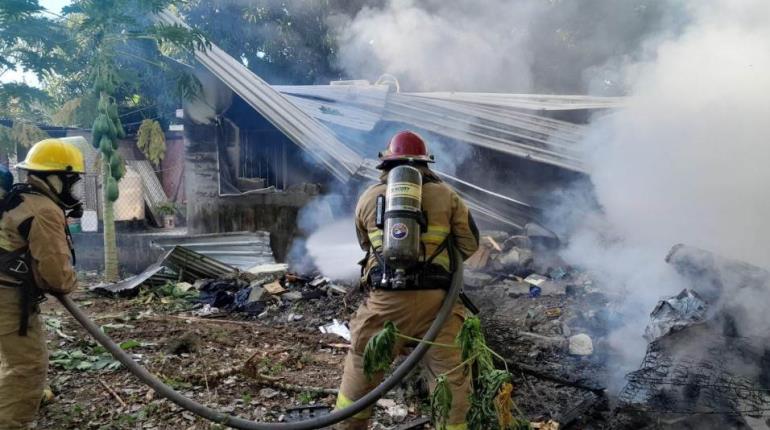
23,364
413,312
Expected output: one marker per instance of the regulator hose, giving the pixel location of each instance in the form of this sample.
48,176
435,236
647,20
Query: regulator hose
315,423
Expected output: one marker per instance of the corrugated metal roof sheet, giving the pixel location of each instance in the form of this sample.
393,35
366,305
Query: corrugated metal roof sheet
296,124
242,250
529,101
496,126
192,266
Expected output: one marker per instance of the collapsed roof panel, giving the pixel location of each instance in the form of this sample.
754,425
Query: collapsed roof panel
499,127
295,123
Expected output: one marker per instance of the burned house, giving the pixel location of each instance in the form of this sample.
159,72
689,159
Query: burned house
256,153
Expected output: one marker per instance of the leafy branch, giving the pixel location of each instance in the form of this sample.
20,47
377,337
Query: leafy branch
491,400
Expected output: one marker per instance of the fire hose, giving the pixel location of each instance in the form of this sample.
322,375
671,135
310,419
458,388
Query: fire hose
315,423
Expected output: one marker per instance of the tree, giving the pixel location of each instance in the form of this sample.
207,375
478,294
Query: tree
32,43
118,42
285,42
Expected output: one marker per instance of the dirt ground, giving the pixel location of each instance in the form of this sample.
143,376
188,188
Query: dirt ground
203,358
278,366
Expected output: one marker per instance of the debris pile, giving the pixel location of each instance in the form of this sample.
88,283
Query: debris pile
546,318
700,370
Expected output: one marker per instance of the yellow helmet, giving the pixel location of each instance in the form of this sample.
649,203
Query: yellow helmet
53,155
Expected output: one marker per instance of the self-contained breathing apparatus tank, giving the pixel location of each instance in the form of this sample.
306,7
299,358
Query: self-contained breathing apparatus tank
401,218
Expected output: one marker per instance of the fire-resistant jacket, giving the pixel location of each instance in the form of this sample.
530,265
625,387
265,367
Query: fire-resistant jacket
39,222
446,213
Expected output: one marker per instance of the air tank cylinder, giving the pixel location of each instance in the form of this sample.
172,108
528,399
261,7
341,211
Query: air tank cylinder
401,232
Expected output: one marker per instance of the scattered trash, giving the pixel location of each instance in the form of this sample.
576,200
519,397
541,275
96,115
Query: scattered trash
581,344
338,328
318,282
275,288
535,279
339,289
396,412
534,291
675,313
256,294
205,311
553,312
292,296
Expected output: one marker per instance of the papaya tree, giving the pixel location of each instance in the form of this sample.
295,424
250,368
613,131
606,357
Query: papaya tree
119,42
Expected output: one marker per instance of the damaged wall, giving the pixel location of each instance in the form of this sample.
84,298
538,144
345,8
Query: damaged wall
209,212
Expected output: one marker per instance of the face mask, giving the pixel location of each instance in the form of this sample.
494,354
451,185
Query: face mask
65,185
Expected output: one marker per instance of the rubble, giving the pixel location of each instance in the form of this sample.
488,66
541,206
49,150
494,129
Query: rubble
699,370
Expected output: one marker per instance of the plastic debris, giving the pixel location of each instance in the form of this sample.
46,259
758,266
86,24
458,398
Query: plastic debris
205,311
675,313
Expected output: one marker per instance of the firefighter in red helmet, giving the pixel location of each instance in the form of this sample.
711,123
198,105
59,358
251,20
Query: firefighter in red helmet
412,308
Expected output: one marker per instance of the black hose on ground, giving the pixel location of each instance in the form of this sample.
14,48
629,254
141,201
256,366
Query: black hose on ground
315,423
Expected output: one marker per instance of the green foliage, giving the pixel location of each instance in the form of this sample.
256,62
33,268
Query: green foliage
77,112
490,399
92,359
21,101
151,141
22,134
473,345
307,397
286,42
171,290
166,208
379,351
441,402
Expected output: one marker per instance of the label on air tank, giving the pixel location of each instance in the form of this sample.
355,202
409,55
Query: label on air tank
405,189
399,231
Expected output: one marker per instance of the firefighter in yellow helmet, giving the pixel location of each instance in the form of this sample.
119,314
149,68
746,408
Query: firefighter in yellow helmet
35,257
413,306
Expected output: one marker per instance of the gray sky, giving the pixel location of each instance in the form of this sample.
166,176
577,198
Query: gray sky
54,6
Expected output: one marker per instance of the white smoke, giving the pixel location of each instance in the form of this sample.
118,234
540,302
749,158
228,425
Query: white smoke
499,45
327,241
685,161
335,251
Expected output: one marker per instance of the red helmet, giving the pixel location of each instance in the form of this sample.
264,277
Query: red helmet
406,145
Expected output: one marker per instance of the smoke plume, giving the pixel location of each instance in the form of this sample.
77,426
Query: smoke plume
501,45
685,161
